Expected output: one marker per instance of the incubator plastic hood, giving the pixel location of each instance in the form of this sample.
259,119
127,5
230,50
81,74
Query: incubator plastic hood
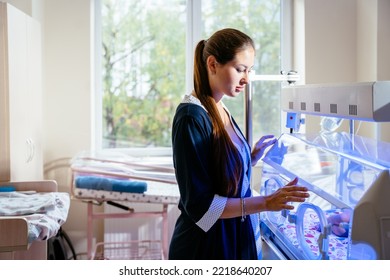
347,215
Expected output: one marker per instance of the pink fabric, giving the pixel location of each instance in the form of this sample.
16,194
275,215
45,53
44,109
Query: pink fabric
337,245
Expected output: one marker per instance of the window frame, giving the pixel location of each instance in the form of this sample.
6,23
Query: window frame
194,17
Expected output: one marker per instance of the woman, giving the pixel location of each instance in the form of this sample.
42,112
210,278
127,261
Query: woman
219,216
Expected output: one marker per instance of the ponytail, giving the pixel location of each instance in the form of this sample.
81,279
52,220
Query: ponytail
228,163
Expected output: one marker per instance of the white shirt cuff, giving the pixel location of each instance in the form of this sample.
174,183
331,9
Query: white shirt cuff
212,215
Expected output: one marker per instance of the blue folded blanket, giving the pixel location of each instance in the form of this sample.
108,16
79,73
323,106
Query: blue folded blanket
108,184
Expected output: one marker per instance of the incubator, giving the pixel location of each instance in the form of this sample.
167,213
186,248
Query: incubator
347,215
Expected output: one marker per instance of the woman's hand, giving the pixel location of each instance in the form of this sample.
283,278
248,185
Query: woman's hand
260,146
290,193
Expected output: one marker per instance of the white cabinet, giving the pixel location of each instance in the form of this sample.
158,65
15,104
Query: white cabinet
20,96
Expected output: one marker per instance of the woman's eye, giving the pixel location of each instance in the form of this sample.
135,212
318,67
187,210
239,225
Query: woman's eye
239,70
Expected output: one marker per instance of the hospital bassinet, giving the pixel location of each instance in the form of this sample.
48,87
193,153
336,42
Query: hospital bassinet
120,180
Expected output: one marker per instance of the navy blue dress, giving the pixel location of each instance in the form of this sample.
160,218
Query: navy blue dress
199,233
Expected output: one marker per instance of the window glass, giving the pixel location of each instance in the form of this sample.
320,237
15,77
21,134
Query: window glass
143,70
143,65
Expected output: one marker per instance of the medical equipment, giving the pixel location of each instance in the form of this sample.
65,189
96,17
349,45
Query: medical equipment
347,215
118,179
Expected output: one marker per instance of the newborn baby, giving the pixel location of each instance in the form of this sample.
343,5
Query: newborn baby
339,222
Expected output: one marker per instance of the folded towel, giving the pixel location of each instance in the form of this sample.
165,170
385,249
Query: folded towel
108,184
7,189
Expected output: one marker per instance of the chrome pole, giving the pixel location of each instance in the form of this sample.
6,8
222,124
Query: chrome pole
248,113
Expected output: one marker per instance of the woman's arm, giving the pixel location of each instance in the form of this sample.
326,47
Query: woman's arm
236,207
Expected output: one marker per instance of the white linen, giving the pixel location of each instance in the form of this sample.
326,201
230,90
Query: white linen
44,212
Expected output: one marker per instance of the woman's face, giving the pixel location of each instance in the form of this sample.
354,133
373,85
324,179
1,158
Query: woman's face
231,78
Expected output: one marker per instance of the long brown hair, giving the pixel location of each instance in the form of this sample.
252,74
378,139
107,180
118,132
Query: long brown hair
223,45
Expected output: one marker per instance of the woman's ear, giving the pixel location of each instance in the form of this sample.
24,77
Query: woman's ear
212,64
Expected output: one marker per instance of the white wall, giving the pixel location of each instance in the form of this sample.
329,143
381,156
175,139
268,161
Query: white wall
330,47
23,5
68,97
383,57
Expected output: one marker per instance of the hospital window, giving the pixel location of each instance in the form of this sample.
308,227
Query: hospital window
144,57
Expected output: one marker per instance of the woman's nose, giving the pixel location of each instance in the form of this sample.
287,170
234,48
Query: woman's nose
245,78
